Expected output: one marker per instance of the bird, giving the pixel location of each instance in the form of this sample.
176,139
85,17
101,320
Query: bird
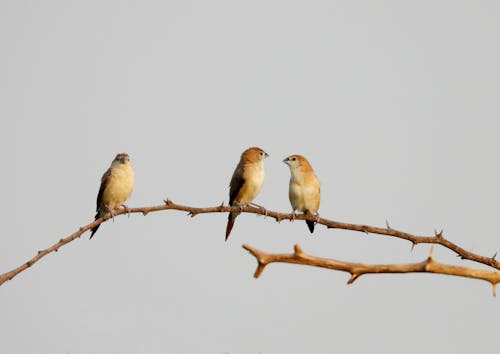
304,188
117,184
246,182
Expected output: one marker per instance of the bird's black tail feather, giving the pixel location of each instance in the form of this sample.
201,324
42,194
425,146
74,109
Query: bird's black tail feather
230,222
94,229
310,225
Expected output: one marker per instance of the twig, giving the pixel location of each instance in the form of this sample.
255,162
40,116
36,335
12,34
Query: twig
438,238
358,269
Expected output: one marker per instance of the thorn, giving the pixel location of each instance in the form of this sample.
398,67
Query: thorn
145,212
494,289
413,246
366,231
431,252
438,234
298,250
29,263
494,257
259,270
167,201
387,224
81,228
222,204
39,252
353,278
61,240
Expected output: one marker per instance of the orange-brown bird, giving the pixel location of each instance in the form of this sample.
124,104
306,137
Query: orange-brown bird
304,188
116,186
246,182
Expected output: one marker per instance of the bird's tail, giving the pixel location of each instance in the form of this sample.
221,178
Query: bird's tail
230,222
310,225
94,229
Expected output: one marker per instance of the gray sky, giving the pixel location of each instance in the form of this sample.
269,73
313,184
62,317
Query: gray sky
396,105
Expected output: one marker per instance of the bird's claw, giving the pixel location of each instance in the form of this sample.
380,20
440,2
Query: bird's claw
111,213
127,209
261,208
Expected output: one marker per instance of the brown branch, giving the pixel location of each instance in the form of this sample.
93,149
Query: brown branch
438,238
358,269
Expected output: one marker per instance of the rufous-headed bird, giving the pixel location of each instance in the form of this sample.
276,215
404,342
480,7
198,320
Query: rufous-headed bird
247,181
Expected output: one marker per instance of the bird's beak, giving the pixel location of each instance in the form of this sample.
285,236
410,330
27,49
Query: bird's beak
285,160
266,154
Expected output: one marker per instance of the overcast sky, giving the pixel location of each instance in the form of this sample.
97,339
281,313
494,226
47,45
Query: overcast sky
396,104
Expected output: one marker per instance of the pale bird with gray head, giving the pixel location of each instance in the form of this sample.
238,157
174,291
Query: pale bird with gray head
247,181
304,188
117,184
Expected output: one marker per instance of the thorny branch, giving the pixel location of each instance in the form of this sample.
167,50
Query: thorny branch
358,269
438,238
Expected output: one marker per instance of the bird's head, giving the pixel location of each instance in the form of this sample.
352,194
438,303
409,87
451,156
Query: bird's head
120,159
296,162
254,154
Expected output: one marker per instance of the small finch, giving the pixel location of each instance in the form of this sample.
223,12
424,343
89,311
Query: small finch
304,188
116,186
247,181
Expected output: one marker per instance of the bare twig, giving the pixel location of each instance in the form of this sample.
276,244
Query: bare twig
358,269
438,238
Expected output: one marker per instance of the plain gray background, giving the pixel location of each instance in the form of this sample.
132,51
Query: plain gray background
395,103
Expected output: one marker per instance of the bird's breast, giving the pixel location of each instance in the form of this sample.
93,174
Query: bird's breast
254,179
120,187
304,193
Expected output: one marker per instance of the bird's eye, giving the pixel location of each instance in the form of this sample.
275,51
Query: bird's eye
294,158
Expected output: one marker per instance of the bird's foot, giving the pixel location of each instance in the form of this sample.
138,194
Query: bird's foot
111,213
260,207
294,214
127,209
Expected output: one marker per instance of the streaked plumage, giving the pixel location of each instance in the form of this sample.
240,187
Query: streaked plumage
304,188
117,184
247,181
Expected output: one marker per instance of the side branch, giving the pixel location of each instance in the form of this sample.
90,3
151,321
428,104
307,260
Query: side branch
358,269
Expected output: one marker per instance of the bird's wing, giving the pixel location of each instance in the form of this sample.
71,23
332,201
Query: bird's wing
106,177
236,184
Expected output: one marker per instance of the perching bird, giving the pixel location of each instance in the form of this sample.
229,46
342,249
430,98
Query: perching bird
304,188
246,182
116,186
